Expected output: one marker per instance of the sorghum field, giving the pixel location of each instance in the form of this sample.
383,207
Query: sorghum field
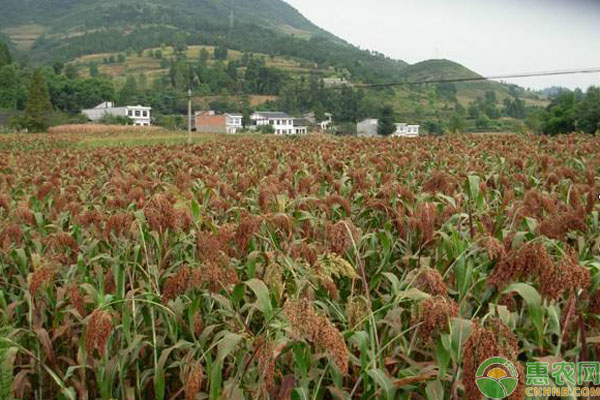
312,268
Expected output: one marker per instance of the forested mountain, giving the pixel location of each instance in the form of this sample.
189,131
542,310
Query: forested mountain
65,29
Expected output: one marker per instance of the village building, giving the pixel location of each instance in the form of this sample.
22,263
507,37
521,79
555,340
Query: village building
211,122
368,128
139,115
282,123
301,126
336,82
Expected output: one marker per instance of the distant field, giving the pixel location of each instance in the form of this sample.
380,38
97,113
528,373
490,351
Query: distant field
135,64
24,36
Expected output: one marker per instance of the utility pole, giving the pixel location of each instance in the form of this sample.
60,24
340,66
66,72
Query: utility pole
189,116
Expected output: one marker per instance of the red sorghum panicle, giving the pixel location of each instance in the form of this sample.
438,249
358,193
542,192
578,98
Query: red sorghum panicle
566,276
208,247
440,182
484,343
558,226
198,324
430,281
434,316
77,300
244,232
44,190
119,224
11,233
339,200
266,364
527,261
110,286
5,201
193,383
97,332
41,276
303,251
307,324
160,214
219,276
343,236
25,214
184,219
423,220
568,316
177,284
493,247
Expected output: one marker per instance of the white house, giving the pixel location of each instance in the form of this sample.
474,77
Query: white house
282,123
368,128
336,82
233,123
138,114
405,130
300,126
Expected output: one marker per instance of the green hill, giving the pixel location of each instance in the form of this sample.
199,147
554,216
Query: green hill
436,70
274,54
47,30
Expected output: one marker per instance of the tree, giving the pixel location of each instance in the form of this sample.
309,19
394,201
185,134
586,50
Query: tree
71,71
457,123
483,122
221,52
12,88
204,55
5,57
267,129
129,92
446,91
589,111
180,44
514,107
58,67
108,119
561,115
387,121
435,128
474,110
39,108
94,70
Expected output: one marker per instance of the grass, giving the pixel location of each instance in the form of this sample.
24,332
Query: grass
133,265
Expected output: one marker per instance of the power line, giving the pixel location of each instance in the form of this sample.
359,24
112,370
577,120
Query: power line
435,81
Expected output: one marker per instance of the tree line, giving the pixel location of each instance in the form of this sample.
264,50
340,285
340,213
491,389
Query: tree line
25,89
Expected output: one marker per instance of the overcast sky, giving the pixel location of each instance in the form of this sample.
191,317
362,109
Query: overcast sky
491,37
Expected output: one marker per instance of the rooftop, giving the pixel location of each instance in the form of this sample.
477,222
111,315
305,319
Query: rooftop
272,114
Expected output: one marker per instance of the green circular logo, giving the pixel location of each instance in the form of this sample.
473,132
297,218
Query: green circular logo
497,378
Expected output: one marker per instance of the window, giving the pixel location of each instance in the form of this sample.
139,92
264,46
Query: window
137,113
130,113
272,122
145,113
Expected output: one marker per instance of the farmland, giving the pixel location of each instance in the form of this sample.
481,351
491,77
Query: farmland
302,268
